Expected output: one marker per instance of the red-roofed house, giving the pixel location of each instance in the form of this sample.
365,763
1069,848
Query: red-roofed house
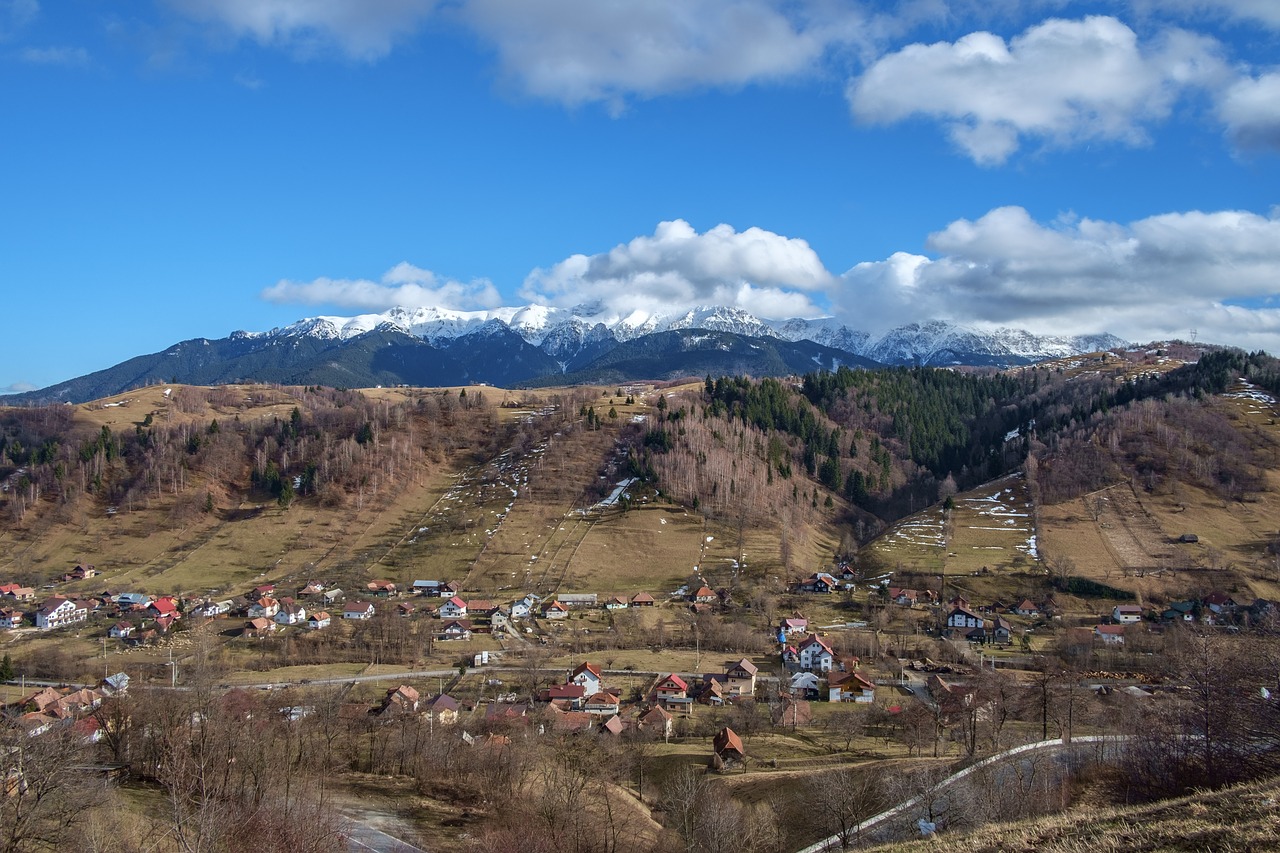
816,655
589,676
454,608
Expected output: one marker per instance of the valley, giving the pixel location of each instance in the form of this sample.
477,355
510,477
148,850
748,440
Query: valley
567,597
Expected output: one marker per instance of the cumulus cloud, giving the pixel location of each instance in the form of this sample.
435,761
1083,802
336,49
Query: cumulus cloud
678,268
361,29
579,51
1250,109
403,285
1063,82
1154,278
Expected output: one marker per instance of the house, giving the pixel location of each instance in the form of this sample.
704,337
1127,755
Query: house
524,608
656,720
1001,630
164,607
120,630
19,593
671,691
740,678
319,619
454,608
615,726
616,602
554,610
571,696
212,609
264,590
1126,614
132,599
1219,604
82,572
728,746
819,582
1026,607
381,588
588,676
331,596
291,614
1111,635
259,627
904,597
404,609
642,599
115,685
850,687
790,656
312,588
601,703
794,625
1180,611
815,654
358,610
10,619
399,700
805,685
427,588
713,691
963,617
578,600
264,608
58,611
702,595
500,619
481,609
443,709
455,629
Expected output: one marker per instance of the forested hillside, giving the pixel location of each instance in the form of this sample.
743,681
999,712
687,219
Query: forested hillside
882,444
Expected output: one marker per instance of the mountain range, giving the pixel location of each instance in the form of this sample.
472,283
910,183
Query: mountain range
536,345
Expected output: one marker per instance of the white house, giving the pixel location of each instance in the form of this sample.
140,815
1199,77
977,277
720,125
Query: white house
851,687
264,608
1126,614
454,608
319,619
59,611
358,610
291,614
816,655
963,617
589,676
120,630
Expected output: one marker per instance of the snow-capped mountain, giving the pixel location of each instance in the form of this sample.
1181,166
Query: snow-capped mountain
537,345
568,335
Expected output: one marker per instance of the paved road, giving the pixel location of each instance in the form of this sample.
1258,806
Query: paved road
1099,742
362,838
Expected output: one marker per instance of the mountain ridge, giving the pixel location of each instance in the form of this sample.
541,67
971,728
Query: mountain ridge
538,345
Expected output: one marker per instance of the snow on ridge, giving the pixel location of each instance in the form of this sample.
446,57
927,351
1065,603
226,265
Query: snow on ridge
567,329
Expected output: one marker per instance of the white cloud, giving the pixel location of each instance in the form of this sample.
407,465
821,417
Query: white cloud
361,29
1154,278
1250,108
678,268
581,51
1063,82
403,285
68,56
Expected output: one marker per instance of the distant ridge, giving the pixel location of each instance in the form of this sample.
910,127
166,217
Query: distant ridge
537,345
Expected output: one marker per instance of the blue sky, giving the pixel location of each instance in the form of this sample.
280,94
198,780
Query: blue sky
172,169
